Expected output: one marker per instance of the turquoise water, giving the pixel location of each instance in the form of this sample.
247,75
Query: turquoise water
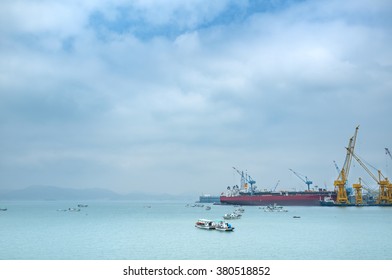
165,231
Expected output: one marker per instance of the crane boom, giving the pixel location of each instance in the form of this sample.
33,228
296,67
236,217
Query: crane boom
277,183
306,181
351,146
387,152
364,166
336,166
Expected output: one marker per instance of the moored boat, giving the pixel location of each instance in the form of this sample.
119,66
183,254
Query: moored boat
327,201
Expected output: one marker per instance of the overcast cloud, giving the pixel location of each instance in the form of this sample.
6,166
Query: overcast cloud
167,96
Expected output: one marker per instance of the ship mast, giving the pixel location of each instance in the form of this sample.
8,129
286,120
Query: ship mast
245,179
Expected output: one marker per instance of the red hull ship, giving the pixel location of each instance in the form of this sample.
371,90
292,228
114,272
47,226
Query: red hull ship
305,198
248,194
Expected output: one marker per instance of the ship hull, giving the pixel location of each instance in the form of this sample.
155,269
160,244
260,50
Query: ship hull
282,199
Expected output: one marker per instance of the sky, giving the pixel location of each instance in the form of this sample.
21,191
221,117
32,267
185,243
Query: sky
168,96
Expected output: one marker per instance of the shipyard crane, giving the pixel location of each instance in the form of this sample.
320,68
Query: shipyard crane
340,182
303,178
245,179
385,187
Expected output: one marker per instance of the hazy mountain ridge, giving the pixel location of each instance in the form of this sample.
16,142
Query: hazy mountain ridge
61,193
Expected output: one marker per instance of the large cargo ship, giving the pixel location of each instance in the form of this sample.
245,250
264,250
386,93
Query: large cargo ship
290,198
248,194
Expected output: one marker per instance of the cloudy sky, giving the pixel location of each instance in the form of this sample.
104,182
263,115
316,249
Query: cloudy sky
167,96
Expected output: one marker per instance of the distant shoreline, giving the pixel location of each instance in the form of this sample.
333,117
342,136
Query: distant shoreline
53,193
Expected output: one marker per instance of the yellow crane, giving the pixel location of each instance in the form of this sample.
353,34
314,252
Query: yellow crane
340,182
385,187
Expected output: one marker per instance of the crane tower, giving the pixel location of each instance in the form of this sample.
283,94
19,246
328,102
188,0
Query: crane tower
340,182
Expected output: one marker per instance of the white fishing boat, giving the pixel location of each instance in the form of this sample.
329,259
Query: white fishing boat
205,224
223,226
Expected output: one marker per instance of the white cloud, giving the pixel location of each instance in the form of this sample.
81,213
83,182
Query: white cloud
279,89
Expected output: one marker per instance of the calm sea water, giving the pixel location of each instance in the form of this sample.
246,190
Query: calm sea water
165,231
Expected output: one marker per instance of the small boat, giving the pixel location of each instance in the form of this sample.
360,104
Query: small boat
223,226
208,208
82,205
205,224
296,217
328,201
3,209
73,209
232,216
197,205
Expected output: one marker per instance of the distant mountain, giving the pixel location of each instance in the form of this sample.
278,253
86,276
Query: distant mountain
58,193
146,196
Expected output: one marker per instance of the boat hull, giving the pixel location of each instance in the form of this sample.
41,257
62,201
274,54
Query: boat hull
225,229
205,227
297,199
